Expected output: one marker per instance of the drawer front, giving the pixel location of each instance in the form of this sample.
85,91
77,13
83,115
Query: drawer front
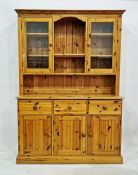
105,107
70,107
35,107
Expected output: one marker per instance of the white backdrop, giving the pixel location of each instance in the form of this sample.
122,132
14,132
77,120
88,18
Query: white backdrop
9,82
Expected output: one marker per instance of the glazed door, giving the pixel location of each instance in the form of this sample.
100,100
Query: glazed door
69,135
36,132
103,135
102,40
37,51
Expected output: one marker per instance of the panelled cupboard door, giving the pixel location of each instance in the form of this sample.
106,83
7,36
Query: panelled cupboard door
102,41
37,45
36,135
69,135
103,135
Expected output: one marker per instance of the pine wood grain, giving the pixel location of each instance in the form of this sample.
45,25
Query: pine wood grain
69,108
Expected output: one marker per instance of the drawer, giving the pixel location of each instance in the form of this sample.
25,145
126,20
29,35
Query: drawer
35,107
69,107
105,107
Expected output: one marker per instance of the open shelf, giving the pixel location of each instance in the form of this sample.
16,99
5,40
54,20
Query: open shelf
69,36
69,55
69,46
94,84
69,64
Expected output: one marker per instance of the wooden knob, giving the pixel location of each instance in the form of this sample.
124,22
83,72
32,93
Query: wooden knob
69,107
90,134
49,134
104,108
35,107
90,35
83,135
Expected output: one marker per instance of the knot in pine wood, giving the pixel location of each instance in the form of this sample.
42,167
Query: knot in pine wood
35,107
104,108
69,107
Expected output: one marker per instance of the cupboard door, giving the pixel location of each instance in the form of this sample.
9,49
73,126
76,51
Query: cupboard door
37,135
69,135
103,135
102,37
37,47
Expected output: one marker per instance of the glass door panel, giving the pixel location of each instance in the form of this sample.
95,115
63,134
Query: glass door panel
37,27
37,51
101,45
102,27
102,38
38,43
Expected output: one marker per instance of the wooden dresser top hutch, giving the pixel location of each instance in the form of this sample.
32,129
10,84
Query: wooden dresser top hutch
69,108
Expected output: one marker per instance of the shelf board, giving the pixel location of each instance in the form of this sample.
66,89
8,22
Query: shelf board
67,96
102,34
103,56
37,55
83,35
84,74
37,34
69,55
67,74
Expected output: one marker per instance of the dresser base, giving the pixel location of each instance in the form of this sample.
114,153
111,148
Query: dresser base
69,159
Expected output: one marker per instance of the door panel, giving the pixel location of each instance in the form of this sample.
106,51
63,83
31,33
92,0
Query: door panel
102,34
37,52
37,135
103,135
69,135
